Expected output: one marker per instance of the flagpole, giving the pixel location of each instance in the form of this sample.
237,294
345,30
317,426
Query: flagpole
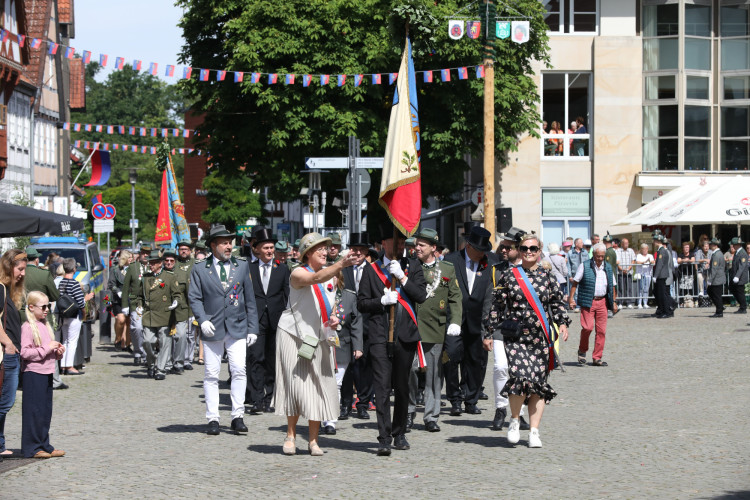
82,169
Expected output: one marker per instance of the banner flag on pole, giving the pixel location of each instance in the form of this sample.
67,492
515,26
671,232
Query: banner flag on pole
187,72
400,185
103,60
306,79
101,168
376,79
163,224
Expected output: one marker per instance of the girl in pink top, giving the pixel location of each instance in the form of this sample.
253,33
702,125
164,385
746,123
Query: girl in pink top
39,352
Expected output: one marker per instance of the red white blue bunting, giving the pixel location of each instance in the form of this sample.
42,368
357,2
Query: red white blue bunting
129,130
104,146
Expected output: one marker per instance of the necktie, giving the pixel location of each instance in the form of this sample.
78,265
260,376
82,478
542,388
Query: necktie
357,277
223,273
265,277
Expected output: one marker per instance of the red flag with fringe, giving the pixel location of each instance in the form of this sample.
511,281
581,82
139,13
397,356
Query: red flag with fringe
163,222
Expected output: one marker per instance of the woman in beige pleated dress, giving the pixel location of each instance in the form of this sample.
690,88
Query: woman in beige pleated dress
307,388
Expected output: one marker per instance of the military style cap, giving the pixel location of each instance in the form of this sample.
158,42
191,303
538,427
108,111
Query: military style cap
429,235
736,241
658,237
715,241
281,246
411,242
32,253
296,244
145,249
200,245
335,238
155,255
607,238
185,243
169,252
310,240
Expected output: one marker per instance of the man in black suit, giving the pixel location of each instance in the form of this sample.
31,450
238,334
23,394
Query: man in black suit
391,362
359,372
271,285
474,275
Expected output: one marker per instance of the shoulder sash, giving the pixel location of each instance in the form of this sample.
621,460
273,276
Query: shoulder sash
533,299
385,276
320,297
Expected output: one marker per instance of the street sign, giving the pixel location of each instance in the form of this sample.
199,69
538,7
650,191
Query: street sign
341,163
477,197
363,204
99,211
326,163
283,227
364,182
110,211
104,226
241,228
308,220
133,223
370,162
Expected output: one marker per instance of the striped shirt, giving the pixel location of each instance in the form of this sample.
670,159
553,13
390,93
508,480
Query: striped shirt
73,288
625,258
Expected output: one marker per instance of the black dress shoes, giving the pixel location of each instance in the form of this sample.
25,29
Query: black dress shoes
524,425
740,311
420,398
267,408
137,361
329,430
213,428
483,396
384,450
362,413
150,372
177,371
238,426
61,387
717,315
410,421
159,376
432,427
400,443
455,409
499,420
346,410
256,409
188,367
472,409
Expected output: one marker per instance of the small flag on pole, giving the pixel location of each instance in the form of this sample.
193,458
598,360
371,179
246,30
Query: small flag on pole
187,72
153,68
137,65
324,79
273,78
103,60
119,62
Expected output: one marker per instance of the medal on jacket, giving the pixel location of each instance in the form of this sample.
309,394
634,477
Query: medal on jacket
235,295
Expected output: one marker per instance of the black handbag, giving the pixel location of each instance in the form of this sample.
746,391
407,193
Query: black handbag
67,307
510,330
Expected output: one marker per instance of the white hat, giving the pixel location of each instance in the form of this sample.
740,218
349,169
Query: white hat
587,243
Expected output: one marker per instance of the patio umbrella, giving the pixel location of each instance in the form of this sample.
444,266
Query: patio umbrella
16,220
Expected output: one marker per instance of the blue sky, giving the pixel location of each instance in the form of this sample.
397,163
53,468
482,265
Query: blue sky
133,29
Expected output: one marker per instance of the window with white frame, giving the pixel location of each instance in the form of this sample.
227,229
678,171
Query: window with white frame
571,16
565,113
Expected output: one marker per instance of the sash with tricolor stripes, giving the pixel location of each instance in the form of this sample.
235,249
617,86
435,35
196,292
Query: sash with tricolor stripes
533,299
320,297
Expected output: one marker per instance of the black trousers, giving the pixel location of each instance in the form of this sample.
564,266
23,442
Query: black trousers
714,293
362,377
738,291
393,373
260,367
467,356
36,413
662,297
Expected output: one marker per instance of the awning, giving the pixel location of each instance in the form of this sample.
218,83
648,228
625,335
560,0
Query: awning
16,220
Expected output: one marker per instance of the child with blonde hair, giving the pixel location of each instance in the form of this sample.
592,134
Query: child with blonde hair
39,351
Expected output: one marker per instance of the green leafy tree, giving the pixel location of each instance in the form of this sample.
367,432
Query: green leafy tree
230,198
146,210
270,129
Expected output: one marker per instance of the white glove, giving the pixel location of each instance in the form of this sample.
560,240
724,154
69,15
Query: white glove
173,306
394,267
389,297
126,311
251,339
139,310
119,294
708,283
453,330
735,280
208,329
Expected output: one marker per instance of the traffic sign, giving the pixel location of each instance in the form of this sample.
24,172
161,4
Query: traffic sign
364,182
110,211
99,211
477,197
104,226
133,223
326,163
370,162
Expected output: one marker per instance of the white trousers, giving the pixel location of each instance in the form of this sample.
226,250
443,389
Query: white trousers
499,372
341,370
71,330
212,353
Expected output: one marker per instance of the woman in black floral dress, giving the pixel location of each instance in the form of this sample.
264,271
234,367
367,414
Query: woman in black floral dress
528,356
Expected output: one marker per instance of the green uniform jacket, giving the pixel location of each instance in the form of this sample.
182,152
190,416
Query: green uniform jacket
156,294
444,301
182,277
611,257
39,280
131,285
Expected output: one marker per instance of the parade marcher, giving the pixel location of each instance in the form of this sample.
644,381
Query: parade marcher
130,288
359,372
662,274
521,301
738,275
71,327
183,269
115,282
594,281
411,251
281,252
12,272
717,277
246,246
438,315
305,378
334,249
271,284
180,320
466,351
391,362
610,255
158,296
292,259
223,302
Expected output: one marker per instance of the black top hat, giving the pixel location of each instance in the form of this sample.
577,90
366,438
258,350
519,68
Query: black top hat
479,238
263,235
386,230
218,231
359,240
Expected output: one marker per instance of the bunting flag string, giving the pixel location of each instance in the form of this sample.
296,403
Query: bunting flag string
219,75
129,130
105,146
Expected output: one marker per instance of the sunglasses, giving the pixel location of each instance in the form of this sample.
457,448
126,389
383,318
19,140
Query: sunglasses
532,249
505,247
43,307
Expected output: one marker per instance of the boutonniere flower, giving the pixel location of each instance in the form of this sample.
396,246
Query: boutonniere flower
161,285
446,279
330,287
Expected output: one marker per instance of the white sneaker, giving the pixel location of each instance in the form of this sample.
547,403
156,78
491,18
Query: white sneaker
630,306
534,441
645,306
514,431
640,306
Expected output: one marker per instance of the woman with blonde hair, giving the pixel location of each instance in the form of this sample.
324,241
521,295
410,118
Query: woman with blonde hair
114,286
12,273
39,351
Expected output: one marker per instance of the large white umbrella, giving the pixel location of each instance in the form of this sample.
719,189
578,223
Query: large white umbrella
712,200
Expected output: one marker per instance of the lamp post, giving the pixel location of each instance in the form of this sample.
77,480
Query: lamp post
133,178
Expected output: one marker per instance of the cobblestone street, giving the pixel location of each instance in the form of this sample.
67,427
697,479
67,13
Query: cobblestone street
666,419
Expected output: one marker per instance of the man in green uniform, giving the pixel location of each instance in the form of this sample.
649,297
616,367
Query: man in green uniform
611,257
444,300
158,296
281,252
130,288
292,260
334,250
178,326
184,266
